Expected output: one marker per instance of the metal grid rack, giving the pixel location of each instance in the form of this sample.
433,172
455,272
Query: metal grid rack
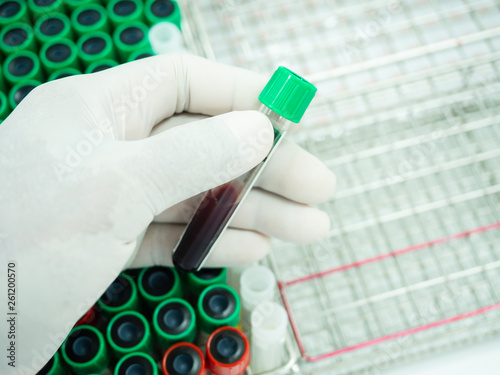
407,115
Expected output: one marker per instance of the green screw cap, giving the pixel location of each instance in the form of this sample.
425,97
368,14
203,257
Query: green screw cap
19,91
17,37
59,54
174,321
85,351
13,11
99,66
125,11
22,66
218,306
94,47
130,37
41,7
90,18
120,296
136,363
198,281
63,73
287,94
55,366
53,26
129,332
156,284
162,10
4,106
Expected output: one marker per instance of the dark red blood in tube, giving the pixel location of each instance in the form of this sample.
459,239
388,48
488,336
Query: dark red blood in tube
228,352
207,224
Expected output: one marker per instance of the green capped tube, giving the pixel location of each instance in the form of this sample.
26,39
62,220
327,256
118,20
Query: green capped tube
125,11
53,26
17,37
94,47
19,91
3,85
198,281
55,366
99,66
39,8
142,54
90,18
156,284
129,332
85,351
129,38
22,66
4,106
71,5
162,10
59,54
136,363
174,320
63,73
120,296
218,306
13,11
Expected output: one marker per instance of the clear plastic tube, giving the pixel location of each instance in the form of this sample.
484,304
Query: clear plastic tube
217,207
165,37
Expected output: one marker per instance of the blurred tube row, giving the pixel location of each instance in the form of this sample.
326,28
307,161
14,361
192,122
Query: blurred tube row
44,40
156,321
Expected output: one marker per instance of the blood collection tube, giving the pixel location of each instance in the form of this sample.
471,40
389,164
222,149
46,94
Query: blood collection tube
63,73
137,55
162,10
125,11
129,332
95,46
257,285
16,37
4,106
174,321
197,281
99,66
130,37
13,11
22,66
85,351
59,54
120,296
90,18
53,26
218,306
285,98
19,91
55,366
228,352
183,359
156,284
269,328
165,37
136,364
39,8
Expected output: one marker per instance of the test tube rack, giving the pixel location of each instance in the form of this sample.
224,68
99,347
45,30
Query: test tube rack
407,115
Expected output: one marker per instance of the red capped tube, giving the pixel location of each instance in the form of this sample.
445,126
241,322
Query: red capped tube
228,352
183,358
91,318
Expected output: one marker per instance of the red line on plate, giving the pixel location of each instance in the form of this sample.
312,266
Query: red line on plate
408,249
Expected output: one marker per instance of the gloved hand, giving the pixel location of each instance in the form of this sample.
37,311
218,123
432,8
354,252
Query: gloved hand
89,164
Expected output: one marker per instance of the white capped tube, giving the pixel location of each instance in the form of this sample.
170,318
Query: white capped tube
257,284
165,37
269,329
234,276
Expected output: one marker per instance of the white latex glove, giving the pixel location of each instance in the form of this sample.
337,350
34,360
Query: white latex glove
82,179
